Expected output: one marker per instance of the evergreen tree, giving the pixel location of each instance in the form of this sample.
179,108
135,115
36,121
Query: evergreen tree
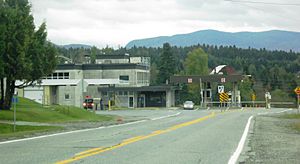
2,47
93,54
27,56
167,64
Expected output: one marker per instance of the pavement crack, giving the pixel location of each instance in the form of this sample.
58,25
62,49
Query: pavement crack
199,161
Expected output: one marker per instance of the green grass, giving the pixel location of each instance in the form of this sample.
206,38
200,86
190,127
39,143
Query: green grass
126,108
6,130
31,111
291,116
296,124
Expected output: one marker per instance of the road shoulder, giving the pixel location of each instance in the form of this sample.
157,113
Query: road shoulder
271,140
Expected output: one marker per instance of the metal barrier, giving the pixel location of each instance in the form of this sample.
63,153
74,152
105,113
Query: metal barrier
250,104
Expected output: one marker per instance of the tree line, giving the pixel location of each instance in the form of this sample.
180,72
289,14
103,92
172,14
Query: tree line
270,70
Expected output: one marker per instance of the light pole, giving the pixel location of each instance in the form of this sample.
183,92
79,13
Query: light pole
201,92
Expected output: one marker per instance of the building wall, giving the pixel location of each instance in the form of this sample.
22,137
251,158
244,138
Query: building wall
74,95
75,74
69,95
115,74
93,74
110,61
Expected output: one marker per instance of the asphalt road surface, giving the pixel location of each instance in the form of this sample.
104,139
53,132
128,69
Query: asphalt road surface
162,136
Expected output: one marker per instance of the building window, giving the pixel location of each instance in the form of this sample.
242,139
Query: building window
120,93
54,75
125,93
67,96
66,75
107,62
104,93
60,75
124,77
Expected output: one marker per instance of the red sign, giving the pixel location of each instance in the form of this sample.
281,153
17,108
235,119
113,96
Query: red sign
297,90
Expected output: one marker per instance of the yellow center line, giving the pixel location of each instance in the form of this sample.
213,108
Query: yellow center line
99,150
89,151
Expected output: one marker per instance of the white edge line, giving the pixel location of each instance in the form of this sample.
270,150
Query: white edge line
265,113
158,118
239,149
70,132
84,130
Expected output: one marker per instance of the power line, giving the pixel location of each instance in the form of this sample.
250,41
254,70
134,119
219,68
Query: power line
265,3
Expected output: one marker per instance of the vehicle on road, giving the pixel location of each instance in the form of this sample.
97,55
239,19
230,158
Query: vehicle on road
188,105
88,103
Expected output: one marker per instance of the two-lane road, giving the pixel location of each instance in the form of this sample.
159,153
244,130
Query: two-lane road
165,137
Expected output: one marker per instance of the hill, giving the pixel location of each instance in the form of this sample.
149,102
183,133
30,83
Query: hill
76,46
271,40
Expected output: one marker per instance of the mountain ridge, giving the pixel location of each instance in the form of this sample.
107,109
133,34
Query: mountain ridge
271,40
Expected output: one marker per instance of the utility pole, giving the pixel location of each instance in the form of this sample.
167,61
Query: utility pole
201,92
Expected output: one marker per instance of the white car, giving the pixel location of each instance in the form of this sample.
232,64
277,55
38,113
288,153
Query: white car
188,105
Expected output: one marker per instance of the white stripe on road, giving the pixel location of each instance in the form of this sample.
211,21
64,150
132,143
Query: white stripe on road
158,118
70,132
84,130
239,149
274,112
233,159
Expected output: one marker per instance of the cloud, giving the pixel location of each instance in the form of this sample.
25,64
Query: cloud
116,22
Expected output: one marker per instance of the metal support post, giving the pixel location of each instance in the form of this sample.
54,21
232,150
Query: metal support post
201,93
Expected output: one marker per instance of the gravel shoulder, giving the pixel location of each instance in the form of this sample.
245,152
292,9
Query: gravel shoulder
272,140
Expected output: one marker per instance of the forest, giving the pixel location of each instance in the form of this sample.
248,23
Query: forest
275,71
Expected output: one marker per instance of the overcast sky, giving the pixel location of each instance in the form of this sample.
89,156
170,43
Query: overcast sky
116,22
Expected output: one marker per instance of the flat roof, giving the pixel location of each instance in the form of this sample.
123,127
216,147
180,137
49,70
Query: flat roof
140,89
119,56
104,81
101,66
207,78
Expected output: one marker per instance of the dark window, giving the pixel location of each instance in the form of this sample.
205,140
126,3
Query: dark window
124,77
67,96
60,75
66,75
107,61
54,75
104,93
88,100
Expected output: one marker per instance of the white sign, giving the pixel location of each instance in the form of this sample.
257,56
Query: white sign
223,80
220,89
268,95
190,80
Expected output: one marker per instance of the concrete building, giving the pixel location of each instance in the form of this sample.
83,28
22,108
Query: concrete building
122,79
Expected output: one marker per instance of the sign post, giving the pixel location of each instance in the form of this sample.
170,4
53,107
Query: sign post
268,100
297,91
14,101
253,97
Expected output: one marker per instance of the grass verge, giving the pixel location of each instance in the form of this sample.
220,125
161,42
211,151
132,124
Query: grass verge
28,110
6,130
145,108
296,124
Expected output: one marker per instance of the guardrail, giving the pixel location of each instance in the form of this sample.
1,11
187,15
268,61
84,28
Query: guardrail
251,104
